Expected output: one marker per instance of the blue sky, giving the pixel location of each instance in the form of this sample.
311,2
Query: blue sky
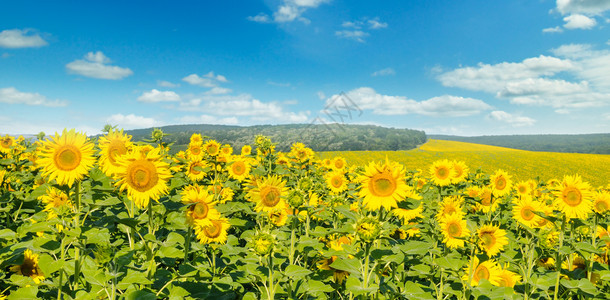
445,67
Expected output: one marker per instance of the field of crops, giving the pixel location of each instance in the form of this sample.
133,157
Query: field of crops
113,219
521,164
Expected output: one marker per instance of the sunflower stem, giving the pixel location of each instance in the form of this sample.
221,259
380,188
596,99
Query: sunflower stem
61,271
365,265
187,245
271,290
76,225
593,237
292,241
559,258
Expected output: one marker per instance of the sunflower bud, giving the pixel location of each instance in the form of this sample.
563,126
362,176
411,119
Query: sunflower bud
368,229
263,243
295,199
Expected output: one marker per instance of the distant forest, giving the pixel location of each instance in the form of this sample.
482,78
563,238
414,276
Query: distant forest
319,137
577,143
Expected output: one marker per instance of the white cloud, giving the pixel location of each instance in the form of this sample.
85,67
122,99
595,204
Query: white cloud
260,18
366,98
218,91
384,72
356,35
321,95
577,21
591,65
159,96
513,120
375,24
208,119
17,38
288,11
552,29
593,7
164,83
209,80
11,95
95,65
132,121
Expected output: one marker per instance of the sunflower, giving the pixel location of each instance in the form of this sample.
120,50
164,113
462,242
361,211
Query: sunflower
67,157
338,275
523,211
383,185
454,230
339,163
29,267
300,152
144,176
407,215
6,142
368,229
195,149
327,163
442,172
283,160
226,150
279,216
262,243
601,202
196,170
113,145
492,239
486,270
450,205
54,199
212,147
573,197
487,201
336,182
212,230
523,188
508,278
269,194
460,171
246,150
201,203
239,168
501,183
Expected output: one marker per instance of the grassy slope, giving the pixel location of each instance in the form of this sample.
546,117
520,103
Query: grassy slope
521,164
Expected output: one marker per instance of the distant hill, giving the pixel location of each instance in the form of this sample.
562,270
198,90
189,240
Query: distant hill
569,143
319,137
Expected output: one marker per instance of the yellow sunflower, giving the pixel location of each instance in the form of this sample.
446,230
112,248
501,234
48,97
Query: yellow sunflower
454,230
501,183
450,205
226,150
113,145
269,194
196,170
246,150
6,142
460,171
441,172
239,168
279,216
29,267
492,239
601,202
212,147
523,211
143,175
523,188
486,270
195,149
201,203
508,278
382,185
336,182
573,197
54,199
327,163
407,215
487,201
339,163
66,158
210,231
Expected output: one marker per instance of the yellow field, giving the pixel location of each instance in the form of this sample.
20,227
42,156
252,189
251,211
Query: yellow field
522,165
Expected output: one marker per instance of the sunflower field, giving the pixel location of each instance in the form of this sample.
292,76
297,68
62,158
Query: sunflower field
113,219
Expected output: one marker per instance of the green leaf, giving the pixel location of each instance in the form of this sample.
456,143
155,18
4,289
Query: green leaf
354,285
133,277
586,248
421,269
177,293
28,292
350,265
48,265
170,252
110,201
141,295
296,272
449,263
99,236
7,234
414,291
315,286
416,248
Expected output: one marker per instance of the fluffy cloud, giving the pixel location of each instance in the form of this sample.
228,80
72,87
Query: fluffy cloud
260,18
17,38
132,121
95,65
366,98
356,30
208,80
513,120
577,21
356,35
208,119
11,95
384,72
288,11
158,96
552,29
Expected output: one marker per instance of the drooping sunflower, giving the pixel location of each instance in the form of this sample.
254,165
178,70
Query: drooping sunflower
573,197
239,168
143,175
210,231
488,269
6,142
523,211
460,171
601,202
336,182
501,183
201,203
492,239
441,172
29,267
454,228
113,145
382,185
269,194
508,278
66,158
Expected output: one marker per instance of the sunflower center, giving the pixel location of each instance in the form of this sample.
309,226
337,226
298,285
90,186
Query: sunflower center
601,206
142,175
522,189
195,150
212,149
488,239
339,164
194,170
527,213
573,197
337,182
500,183
442,173
382,185
449,209
486,199
6,143
454,229
28,268
238,168
67,158
481,272
270,196
214,230
200,210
